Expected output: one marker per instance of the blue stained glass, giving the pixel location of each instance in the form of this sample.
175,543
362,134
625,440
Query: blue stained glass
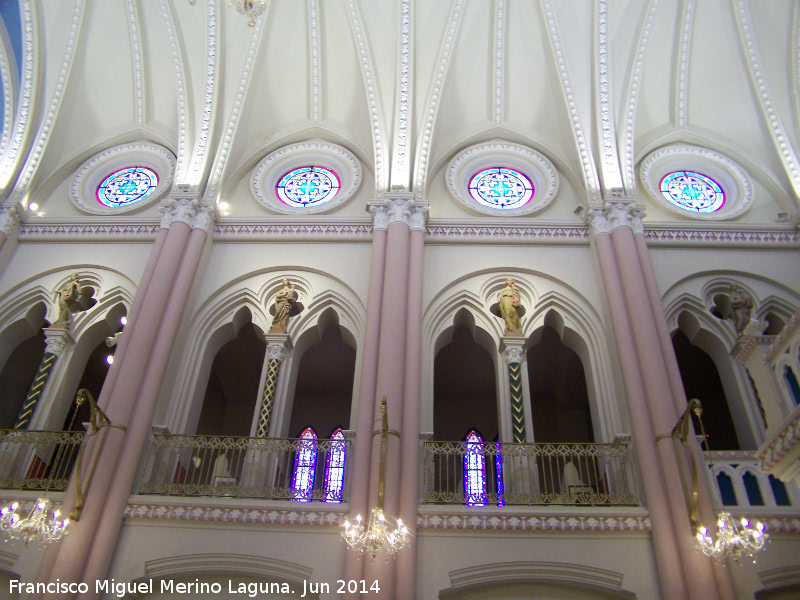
474,470
692,191
791,380
127,186
307,186
500,187
334,468
305,466
498,474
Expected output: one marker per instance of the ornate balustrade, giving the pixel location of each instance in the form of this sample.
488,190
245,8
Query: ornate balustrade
36,460
484,474
302,470
740,482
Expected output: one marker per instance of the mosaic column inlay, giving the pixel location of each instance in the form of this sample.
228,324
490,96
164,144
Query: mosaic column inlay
57,339
276,354
513,355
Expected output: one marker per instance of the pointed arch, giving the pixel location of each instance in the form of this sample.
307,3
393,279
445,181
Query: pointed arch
333,484
305,466
474,469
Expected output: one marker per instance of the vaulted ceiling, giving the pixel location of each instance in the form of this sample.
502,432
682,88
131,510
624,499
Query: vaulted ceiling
405,85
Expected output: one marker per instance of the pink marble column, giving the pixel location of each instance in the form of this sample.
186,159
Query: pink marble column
365,423
406,571
140,424
705,496
658,393
74,548
671,576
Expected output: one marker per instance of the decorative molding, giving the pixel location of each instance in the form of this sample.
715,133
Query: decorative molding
676,236
589,170
570,573
784,335
367,71
91,174
357,231
399,207
633,95
35,152
445,51
637,214
745,345
682,75
781,444
533,164
598,222
619,214
612,178
9,96
199,153
636,522
177,60
314,54
761,88
136,59
94,232
221,158
276,164
11,152
256,514
239,564
9,221
498,60
678,157
8,560
204,218
400,169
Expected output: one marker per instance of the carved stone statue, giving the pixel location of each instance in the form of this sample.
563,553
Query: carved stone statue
70,300
286,305
509,308
741,307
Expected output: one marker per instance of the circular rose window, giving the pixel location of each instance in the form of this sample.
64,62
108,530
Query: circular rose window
307,186
500,187
692,191
126,186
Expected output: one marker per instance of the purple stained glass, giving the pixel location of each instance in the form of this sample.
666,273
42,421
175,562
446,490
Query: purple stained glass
305,466
474,470
334,468
127,186
692,191
307,186
500,187
498,473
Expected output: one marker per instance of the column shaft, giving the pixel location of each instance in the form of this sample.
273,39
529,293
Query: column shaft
673,582
35,392
267,400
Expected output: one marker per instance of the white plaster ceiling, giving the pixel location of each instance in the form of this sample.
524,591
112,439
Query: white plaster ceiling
406,84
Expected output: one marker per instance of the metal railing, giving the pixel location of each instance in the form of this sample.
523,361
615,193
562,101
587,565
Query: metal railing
245,467
37,460
484,474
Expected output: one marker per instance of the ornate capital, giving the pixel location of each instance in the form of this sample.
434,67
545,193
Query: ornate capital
598,223
637,214
619,214
181,206
513,350
9,220
56,340
399,207
204,218
278,345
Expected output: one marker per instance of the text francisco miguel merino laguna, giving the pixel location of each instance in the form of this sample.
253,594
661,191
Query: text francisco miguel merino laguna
166,586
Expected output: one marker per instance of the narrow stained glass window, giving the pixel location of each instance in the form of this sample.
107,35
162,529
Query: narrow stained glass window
127,186
500,187
498,474
334,468
692,191
305,466
474,470
307,186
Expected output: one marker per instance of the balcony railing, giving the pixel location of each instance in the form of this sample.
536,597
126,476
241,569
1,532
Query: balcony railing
242,467
484,474
740,482
37,460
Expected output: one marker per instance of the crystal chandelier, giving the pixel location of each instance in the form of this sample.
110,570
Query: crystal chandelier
736,538
380,534
41,526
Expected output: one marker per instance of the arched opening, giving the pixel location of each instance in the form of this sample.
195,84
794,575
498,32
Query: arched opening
17,376
701,380
464,389
94,375
232,390
559,395
324,387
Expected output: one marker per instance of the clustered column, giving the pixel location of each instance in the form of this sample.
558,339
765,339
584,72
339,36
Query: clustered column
653,399
390,368
131,391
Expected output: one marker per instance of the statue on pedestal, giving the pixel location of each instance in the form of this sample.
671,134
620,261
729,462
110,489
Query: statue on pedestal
72,299
286,305
741,307
509,308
